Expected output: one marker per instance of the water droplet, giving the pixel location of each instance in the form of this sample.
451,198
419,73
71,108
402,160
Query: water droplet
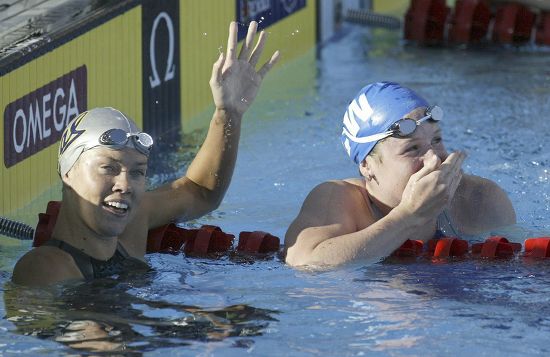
205,34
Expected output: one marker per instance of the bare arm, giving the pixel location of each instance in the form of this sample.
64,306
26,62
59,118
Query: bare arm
481,205
234,83
328,231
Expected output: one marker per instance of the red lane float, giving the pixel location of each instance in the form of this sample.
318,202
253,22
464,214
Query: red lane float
257,242
173,239
208,239
513,24
496,247
447,247
46,223
425,21
493,247
470,21
543,29
537,247
410,248
166,239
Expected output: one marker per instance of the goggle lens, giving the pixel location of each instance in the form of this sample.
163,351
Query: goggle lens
405,127
119,137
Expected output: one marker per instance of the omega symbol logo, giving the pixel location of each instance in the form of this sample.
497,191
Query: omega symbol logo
170,70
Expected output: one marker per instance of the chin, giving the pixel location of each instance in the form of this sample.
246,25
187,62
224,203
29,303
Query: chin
108,231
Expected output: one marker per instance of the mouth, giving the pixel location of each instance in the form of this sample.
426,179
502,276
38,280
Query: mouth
119,208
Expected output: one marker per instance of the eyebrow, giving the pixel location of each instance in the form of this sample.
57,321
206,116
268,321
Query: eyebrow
108,157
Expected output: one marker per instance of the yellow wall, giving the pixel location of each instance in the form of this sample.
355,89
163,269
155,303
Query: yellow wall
201,43
111,53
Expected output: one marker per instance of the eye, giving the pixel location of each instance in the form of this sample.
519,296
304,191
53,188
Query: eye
138,173
411,148
108,168
437,140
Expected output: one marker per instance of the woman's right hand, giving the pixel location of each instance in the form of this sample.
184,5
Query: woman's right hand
432,188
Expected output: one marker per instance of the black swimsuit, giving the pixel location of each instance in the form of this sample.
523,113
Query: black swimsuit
92,268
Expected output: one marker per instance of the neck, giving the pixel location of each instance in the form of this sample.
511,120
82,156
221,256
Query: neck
70,228
380,208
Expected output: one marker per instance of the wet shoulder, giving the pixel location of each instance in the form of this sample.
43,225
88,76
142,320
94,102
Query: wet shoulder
341,195
45,265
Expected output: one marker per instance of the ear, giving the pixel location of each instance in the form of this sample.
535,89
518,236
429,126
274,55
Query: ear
366,168
68,178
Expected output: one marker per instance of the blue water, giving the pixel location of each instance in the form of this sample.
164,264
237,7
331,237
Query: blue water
496,103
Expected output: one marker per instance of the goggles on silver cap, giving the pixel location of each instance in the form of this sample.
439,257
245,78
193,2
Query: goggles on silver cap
402,128
118,137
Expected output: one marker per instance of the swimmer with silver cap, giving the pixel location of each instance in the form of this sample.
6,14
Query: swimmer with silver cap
410,187
106,127
106,212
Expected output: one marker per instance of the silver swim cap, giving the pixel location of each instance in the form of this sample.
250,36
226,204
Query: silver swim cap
99,127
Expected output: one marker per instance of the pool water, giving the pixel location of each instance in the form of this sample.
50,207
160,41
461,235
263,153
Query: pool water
496,103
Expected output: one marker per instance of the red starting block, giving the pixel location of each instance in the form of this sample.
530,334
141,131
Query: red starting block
543,29
537,247
496,247
257,242
410,248
208,239
447,247
425,21
470,21
513,24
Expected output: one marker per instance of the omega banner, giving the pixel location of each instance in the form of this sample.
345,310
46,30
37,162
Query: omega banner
36,120
161,72
266,12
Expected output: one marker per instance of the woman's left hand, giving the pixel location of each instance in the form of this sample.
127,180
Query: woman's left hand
235,81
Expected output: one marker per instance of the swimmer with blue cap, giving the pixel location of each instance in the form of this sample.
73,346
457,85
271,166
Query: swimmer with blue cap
410,187
106,212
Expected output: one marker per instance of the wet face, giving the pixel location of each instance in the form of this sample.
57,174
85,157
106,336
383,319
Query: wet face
105,188
396,159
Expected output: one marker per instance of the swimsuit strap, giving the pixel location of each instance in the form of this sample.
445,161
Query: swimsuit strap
81,259
445,225
94,268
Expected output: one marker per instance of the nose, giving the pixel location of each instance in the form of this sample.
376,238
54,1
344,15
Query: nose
122,183
440,153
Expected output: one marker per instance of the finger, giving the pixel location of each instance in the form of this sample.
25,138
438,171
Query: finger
217,69
431,163
453,164
249,41
232,42
266,67
258,49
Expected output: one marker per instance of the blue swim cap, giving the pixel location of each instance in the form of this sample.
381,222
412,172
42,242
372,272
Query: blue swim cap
375,108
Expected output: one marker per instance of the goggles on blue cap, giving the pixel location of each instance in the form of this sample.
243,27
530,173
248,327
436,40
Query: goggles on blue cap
402,128
374,114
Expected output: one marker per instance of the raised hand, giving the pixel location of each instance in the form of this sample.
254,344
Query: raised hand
235,81
432,188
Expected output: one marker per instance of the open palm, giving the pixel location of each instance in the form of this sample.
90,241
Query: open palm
235,81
